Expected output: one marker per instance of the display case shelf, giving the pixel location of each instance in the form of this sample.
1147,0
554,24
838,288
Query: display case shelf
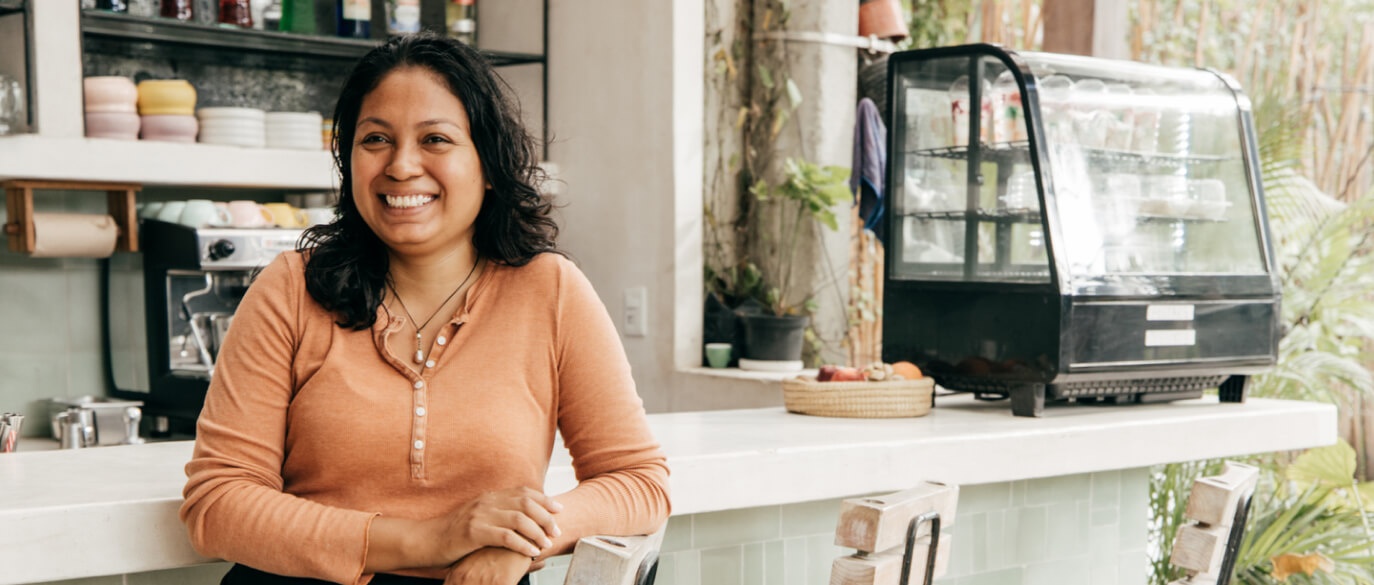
1033,216
1019,152
163,30
11,6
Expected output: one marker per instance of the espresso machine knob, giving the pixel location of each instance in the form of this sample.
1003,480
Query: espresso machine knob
221,250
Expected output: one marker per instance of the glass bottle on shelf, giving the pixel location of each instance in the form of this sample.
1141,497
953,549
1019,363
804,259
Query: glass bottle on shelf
297,16
355,18
112,5
236,13
271,16
402,17
178,9
461,18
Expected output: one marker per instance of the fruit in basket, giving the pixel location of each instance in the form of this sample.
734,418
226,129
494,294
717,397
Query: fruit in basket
877,372
907,370
848,375
827,373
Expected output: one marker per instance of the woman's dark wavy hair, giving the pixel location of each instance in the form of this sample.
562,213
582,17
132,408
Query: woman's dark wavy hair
346,264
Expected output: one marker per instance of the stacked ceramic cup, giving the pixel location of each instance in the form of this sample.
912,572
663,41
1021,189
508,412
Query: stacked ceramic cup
168,107
233,126
294,130
111,107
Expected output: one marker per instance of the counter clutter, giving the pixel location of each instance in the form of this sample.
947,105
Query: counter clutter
68,514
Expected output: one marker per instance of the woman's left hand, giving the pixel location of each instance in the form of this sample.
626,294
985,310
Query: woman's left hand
492,566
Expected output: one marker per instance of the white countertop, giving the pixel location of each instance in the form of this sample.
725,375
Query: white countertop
113,510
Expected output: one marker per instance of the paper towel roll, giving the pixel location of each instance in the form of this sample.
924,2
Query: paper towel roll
73,235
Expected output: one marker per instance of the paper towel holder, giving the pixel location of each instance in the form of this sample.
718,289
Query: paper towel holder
121,198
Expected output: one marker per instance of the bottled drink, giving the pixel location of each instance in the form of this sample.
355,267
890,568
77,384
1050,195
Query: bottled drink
271,16
355,18
112,5
298,16
402,16
236,12
461,18
178,9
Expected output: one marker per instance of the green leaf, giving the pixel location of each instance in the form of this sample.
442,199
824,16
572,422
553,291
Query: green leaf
765,76
779,118
811,305
793,93
1333,465
734,161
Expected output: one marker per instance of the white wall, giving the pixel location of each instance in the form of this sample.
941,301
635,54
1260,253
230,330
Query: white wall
626,115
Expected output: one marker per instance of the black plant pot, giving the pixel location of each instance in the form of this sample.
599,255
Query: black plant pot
773,338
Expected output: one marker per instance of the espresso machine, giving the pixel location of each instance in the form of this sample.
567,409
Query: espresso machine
169,308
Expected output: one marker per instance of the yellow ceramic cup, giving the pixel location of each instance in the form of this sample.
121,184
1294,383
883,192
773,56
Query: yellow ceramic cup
286,215
166,97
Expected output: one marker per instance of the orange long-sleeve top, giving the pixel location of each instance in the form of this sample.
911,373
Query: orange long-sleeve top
310,430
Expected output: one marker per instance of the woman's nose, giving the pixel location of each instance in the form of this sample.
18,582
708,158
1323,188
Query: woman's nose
404,164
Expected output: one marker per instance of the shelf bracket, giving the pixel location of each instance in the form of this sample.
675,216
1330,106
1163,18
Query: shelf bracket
871,43
120,200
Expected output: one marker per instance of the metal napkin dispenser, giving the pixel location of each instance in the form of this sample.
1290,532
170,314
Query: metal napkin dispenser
111,422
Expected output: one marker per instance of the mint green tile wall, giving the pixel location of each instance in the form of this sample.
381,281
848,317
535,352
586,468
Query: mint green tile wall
1074,530
49,322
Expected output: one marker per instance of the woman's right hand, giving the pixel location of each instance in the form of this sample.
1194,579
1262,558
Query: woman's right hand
518,519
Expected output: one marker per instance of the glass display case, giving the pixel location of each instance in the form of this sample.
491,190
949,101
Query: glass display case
1067,227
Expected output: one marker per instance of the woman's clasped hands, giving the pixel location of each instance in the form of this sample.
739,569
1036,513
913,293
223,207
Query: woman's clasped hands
495,537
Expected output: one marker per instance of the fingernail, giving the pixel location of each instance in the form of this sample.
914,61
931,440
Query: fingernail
557,532
547,543
557,507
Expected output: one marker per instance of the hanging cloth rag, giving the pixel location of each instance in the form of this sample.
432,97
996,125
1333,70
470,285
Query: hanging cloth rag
870,166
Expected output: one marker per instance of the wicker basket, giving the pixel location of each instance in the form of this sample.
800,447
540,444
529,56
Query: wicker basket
888,399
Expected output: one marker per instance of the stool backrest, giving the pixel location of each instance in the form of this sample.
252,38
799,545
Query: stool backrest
615,560
893,535
1219,506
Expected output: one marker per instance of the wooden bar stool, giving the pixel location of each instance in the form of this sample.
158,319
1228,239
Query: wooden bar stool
1219,506
897,537
615,560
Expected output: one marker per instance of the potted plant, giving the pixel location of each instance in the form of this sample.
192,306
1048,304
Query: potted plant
776,331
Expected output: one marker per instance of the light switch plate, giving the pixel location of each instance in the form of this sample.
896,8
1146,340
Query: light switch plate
636,311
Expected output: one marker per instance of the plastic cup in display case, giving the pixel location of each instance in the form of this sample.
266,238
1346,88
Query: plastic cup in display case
1121,119
1008,119
1145,131
1054,102
960,110
1021,191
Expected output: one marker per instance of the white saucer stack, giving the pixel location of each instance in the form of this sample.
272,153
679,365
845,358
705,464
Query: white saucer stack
294,130
233,126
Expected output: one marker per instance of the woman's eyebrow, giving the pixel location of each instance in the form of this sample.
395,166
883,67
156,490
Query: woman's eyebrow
437,121
377,121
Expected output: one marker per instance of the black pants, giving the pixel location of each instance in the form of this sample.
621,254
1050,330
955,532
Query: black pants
245,575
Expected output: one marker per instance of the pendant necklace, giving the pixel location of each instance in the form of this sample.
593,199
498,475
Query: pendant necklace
419,354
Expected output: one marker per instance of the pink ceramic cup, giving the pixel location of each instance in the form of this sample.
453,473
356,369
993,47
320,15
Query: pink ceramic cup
108,94
170,128
249,214
116,125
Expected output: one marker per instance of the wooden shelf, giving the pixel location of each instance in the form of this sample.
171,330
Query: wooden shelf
148,162
164,30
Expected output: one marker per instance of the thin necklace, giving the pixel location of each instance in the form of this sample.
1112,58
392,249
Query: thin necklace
420,354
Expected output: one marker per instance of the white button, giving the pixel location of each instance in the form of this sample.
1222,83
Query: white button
429,364
419,411
419,385
441,340
419,444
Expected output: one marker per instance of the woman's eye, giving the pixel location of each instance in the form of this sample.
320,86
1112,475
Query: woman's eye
373,139
436,139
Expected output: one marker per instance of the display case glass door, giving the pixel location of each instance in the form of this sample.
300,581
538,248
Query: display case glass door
967,201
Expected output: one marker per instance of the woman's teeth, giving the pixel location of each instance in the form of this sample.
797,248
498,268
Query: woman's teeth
403,201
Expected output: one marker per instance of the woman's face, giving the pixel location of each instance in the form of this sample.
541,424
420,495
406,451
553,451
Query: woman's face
417,179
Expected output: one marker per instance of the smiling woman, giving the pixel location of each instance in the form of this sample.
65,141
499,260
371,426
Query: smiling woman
323,453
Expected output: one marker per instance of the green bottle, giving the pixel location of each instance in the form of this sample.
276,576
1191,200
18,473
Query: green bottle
298,16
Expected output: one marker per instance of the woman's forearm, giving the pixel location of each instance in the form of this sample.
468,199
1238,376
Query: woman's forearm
398,543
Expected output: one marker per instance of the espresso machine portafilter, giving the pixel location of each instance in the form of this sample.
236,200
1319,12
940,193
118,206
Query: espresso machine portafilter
175,302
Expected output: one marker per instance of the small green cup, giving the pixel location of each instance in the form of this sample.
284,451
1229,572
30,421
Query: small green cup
718,354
